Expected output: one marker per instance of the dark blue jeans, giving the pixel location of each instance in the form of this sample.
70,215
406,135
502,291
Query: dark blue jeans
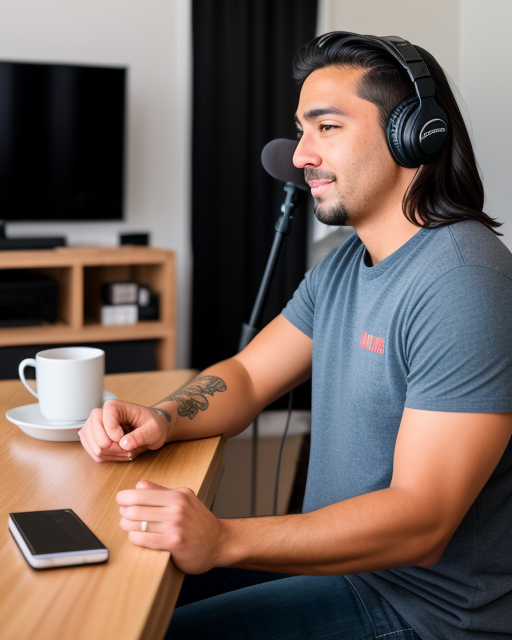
234,604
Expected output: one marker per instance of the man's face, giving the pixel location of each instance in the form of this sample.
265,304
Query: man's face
343,150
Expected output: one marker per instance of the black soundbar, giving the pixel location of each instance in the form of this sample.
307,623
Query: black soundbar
32,243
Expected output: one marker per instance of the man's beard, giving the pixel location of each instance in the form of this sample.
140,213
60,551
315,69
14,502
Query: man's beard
336,215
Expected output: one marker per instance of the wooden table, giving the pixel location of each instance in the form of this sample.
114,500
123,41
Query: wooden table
132,596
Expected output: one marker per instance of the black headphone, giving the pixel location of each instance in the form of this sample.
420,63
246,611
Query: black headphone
418,127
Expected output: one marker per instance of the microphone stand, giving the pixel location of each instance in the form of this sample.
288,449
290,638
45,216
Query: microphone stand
282,228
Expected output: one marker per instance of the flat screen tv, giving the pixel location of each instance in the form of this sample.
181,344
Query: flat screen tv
62,142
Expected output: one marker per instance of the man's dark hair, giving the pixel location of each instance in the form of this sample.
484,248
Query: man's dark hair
448,189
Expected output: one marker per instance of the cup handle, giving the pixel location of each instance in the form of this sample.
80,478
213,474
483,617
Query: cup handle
28,362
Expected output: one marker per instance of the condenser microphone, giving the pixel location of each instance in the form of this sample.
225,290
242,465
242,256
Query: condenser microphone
276,159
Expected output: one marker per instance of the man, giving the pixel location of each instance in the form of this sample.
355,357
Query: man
407,515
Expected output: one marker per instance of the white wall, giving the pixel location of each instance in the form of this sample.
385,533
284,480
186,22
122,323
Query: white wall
152,38
434,27
487,91
469,39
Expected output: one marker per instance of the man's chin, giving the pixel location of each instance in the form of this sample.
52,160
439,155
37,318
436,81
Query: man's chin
335,215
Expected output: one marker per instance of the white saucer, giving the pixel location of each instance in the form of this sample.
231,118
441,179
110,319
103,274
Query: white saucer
30,420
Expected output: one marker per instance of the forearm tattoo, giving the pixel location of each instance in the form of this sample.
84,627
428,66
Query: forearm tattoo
192,396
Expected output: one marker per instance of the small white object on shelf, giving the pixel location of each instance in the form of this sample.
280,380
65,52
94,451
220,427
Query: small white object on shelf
120,292
119,314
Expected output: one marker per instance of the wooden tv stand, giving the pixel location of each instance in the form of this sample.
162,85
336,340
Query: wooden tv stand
79,273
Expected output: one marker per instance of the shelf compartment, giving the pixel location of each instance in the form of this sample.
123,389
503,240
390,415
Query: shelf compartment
151,275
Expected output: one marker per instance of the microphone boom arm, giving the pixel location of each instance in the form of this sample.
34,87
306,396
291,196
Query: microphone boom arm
283,228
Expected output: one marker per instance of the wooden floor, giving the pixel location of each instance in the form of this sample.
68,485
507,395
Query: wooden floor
233,496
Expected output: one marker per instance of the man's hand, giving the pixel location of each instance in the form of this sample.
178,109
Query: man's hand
177,521
103,435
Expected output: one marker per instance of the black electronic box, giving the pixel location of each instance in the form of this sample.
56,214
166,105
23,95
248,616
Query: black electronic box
26,298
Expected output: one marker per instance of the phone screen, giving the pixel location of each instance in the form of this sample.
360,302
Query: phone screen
58,531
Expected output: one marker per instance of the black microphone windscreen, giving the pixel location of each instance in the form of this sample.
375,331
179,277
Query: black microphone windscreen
276,159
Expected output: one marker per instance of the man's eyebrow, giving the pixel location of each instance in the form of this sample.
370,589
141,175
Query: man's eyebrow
316,113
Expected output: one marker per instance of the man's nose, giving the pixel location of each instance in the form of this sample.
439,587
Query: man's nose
305,155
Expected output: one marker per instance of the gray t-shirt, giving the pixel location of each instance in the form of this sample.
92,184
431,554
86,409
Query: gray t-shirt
429,327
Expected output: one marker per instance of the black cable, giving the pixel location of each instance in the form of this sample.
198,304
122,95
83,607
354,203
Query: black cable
276,491
254,465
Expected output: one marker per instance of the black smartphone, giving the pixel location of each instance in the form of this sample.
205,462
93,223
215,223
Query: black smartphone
56,538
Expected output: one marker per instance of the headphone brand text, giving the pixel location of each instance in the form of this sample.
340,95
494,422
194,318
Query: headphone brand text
429,133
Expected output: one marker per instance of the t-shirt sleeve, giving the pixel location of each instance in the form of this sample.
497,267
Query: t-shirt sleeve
458,347
300,310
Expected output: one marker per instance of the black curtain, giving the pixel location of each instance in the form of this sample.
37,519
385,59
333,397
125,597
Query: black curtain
243,97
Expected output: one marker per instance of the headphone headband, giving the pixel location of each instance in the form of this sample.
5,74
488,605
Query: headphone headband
402,50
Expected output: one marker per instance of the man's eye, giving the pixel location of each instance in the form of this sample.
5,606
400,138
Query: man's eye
298,134
327,127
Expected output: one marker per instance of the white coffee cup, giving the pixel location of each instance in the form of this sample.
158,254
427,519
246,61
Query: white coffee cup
69,382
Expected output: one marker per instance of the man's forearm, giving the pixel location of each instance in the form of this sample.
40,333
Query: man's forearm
219,401
379,530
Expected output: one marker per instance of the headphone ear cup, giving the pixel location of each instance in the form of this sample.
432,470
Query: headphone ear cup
395,133
426,132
